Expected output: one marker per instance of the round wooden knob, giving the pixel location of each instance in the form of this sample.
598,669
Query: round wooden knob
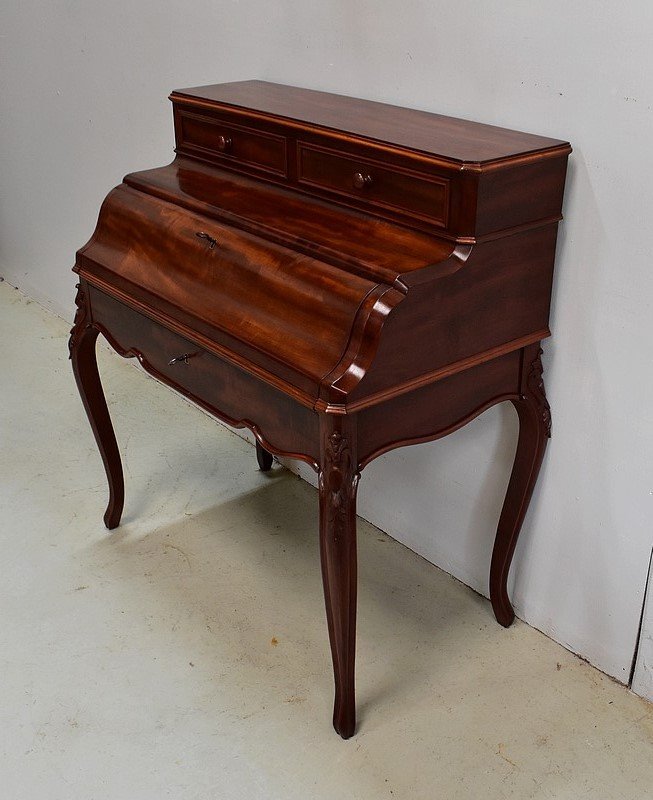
224,143
362,181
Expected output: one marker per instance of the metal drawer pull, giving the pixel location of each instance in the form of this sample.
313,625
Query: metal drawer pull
212,242
182,359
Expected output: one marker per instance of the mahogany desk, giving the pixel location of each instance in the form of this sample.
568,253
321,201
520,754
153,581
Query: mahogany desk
342,277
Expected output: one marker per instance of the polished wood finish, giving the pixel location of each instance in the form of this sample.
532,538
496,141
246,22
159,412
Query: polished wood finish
227,141
263,457
341,277
534,432
494,179
377,186
235,396
452,139
81,345
338,480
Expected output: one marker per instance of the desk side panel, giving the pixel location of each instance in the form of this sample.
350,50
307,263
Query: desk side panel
499,296
517,194
437,409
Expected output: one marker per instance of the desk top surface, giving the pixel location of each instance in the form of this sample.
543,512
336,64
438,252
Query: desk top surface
448,137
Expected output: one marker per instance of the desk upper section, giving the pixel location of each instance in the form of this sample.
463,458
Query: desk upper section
460,179
339,249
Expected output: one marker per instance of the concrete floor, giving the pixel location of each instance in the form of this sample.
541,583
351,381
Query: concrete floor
185,654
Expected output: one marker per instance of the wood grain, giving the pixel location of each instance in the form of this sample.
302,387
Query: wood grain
341,277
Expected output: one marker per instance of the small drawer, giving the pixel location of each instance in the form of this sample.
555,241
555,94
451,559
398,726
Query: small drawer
374,183
231,143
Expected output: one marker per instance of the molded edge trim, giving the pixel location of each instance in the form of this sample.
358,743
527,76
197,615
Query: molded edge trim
436,375
202,341
133,352
362,344
179,99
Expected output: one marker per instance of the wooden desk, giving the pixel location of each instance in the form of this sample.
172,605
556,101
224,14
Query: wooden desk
341,277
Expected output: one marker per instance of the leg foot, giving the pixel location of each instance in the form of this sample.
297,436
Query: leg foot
534,433
263,457
82,353
338,480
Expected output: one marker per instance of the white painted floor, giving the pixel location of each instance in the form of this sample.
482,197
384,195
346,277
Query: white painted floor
185,655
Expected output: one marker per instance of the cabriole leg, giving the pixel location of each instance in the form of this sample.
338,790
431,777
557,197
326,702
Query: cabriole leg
338,480
534,433
82,342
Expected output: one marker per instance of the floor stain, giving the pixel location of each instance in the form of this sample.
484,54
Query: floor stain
500,752
168,546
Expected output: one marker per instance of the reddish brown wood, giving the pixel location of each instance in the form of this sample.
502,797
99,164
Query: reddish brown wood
457,139
236,397
478,166
458,312
534,432
438,408
307,224
227,141
375,185
81,346
342,278
338,480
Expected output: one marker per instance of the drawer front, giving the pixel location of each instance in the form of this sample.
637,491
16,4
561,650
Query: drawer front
231,143
375,184
220,387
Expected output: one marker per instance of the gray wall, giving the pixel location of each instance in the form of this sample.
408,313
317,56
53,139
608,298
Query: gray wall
84,89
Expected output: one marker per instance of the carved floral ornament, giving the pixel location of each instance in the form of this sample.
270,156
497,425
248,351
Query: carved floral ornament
337,448
535,383
78,323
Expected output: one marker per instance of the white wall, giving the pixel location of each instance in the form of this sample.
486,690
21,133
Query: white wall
84,89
